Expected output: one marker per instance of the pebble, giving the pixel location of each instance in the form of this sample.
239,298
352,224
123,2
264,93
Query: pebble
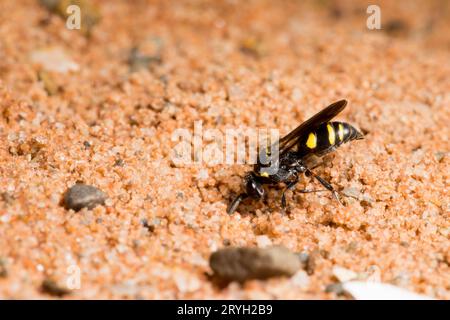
336,288
83,196
241,264
51,287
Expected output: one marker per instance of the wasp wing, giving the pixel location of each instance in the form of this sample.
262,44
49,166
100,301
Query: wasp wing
291,139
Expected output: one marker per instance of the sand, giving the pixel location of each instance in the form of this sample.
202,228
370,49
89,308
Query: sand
257,64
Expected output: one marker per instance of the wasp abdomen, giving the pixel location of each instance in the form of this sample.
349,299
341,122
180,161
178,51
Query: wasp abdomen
327,137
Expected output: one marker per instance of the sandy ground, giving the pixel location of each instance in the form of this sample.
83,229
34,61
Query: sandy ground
257,64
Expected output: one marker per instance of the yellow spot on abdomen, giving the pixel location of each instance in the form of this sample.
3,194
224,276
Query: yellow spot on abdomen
264,174
312,141
331,134
341,132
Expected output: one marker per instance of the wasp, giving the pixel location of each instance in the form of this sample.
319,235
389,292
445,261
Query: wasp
315,137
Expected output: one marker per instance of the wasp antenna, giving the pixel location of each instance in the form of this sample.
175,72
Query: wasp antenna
235,203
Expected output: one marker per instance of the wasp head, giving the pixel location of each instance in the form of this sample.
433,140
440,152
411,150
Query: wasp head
253,187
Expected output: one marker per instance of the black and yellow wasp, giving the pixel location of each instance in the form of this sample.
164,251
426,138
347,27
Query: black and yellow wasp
315,137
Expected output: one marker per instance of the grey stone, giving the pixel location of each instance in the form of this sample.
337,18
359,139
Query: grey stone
83,196
241,264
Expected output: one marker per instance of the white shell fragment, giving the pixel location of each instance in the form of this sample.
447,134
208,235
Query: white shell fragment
379,291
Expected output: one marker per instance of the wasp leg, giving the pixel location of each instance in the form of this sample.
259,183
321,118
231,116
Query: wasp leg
235,203
327,185
289,186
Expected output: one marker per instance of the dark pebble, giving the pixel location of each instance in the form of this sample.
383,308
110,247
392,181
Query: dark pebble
50,287
83,196
241,264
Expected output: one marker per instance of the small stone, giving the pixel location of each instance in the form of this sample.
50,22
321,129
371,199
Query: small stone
336,288
49,286
83,196
241,264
